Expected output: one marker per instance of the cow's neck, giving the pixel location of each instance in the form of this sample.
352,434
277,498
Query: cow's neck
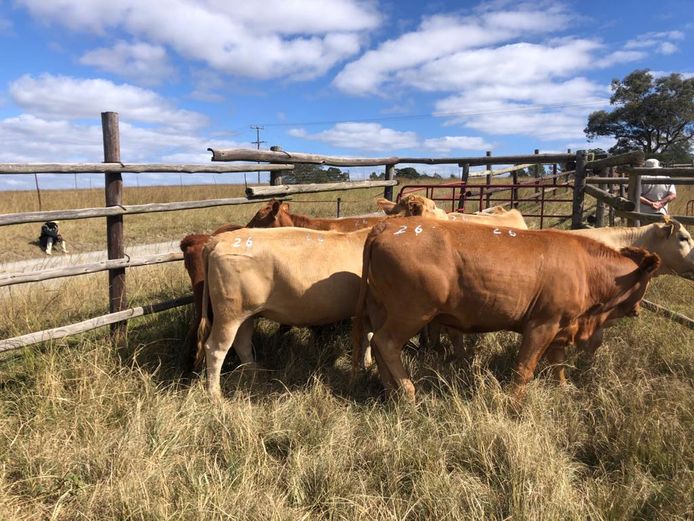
622,237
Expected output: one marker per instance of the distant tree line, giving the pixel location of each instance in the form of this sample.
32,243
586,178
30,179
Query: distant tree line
305,173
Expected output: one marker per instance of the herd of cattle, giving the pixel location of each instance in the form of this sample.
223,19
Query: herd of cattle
416,269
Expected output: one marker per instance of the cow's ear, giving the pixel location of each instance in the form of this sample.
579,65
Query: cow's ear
285,207
275,207
650,263
667,229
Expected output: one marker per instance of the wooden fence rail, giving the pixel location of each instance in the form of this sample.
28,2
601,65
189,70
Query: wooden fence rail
122,168
10,279
9,344
88,213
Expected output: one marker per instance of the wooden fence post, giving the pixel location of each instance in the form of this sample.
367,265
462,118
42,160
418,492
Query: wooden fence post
579,183
114,224
634,195
536,174
488,166
389,176
600,204
275,177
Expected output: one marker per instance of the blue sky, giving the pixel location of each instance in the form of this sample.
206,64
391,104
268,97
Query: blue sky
343,77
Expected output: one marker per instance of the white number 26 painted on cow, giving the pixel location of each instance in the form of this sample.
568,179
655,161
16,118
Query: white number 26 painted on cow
237,242
402,230
418,229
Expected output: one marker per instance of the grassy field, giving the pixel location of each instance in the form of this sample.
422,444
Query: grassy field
92,432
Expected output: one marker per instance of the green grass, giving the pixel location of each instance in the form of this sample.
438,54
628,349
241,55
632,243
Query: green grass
88,431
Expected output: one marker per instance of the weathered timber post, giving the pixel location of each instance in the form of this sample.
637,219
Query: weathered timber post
389,176
464,176
536,173
275,177
514,190
611,172
339,201
579,183
114,224
600,204
488,166
634,195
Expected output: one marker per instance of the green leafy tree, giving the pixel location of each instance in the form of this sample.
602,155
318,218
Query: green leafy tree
655,115
407,173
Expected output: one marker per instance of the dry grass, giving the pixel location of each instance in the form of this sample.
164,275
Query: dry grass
91,432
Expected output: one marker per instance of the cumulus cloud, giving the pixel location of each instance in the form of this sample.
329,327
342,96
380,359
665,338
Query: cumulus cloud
298,39
65,97
141,62
376,138
441,36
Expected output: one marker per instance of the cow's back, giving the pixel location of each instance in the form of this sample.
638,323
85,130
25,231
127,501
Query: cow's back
290,275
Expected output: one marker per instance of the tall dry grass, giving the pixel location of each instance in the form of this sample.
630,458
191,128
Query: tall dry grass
92,432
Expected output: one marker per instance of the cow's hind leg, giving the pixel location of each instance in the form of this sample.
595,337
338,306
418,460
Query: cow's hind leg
536,339
388,342
556,358
217,345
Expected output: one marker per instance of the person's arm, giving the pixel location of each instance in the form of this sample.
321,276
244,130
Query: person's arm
670,196
647,201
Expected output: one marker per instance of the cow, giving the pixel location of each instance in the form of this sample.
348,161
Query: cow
293,276
548,285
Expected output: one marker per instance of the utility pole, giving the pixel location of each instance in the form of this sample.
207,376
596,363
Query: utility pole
257,141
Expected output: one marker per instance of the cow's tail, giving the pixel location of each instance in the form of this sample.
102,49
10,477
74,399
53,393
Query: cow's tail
205,323
359,315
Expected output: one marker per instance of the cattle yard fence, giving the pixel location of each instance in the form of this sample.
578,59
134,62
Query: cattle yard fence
277,162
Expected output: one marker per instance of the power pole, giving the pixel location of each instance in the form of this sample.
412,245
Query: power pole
257,141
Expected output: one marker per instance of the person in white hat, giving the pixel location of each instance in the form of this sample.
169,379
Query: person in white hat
655,197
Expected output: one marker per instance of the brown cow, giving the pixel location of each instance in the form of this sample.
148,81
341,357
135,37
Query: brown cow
495,216
548,285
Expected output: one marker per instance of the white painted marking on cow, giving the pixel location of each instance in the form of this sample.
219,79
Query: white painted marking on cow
418,229
321,239
237,242
401,230
512,233
496,231
249,243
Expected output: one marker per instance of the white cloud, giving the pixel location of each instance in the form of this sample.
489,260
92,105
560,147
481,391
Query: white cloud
141,62
298,39
361,136
64,97
448,143
441,36
375,137
29,138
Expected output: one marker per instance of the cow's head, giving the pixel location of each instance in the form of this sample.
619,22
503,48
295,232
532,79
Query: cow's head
412,205
675,246
634,286
273,215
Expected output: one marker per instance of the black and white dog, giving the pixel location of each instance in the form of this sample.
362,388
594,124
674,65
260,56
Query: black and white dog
50,235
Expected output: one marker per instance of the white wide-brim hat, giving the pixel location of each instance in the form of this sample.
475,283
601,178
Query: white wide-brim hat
652,163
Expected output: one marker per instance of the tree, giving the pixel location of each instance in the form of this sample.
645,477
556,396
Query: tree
309,173
653,115
407,173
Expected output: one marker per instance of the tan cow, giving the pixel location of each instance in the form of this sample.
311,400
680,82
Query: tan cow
549,286
293,276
